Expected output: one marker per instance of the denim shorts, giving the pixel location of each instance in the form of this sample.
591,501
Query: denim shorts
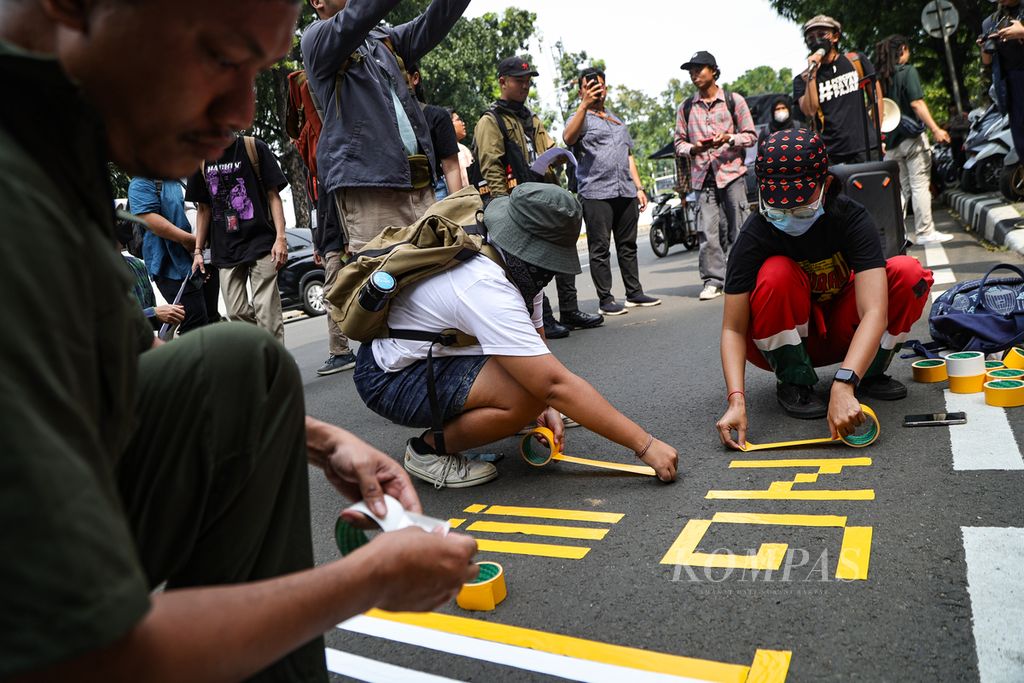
402,396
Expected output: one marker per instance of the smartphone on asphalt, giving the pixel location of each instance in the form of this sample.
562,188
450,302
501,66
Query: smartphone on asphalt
934,419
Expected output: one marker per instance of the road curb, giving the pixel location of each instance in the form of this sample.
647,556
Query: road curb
990,216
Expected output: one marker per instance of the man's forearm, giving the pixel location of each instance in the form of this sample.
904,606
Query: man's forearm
277,213
921,109
416,38
161,227
865,342
228,633
202,226
452,173
575,126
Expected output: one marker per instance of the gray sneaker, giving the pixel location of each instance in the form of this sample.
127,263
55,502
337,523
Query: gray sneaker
612,307
453,471
333,364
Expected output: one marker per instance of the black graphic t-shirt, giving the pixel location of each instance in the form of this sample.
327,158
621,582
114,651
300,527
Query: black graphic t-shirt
842,103
842,241
241,229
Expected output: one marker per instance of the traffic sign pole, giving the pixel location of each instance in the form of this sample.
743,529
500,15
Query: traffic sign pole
941,9
949,58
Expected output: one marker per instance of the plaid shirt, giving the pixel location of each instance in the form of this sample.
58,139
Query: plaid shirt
706,121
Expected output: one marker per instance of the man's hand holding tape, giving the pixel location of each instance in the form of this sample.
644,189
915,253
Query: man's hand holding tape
412,570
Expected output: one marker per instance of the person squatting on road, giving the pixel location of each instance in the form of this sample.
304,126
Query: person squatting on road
713,132
808,286
127,466
489,390
610,190
835,104
507,140
908,144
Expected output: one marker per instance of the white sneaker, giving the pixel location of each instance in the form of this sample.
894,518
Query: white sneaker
453,471
934,237
709,292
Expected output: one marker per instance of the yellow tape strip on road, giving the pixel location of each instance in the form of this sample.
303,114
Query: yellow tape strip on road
865,436
539,455
768,666
565,552
548,513
556,530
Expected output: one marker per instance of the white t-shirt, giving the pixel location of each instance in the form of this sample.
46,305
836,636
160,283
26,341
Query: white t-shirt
474,297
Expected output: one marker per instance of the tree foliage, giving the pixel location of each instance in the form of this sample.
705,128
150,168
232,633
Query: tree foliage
868,21
762,80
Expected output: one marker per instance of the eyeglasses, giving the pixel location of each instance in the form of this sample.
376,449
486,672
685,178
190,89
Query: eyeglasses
805,211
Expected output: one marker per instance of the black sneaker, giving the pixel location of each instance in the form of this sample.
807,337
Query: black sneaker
612,307
800,401
333,364
882,387
578,320
642,300
554,329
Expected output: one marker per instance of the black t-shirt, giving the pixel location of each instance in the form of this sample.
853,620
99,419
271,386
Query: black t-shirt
241,229
842,103
442,134
842,241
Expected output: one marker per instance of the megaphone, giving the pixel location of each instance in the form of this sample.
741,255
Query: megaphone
890,115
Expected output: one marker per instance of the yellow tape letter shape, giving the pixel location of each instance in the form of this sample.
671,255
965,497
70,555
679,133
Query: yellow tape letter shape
783,490
854,555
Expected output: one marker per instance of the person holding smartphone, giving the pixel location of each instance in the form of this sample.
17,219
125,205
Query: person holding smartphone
610,191
808,286
1003,48
713,127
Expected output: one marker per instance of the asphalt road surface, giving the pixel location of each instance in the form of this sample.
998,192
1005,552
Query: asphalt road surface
904,565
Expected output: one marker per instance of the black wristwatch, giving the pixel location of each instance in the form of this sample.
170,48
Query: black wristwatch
847,376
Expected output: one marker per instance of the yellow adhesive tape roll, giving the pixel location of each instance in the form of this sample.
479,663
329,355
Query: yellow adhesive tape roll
929,370
1005,393
539,455
486,591
966,364
1004,373
1014,358
966,385
993,365
865,435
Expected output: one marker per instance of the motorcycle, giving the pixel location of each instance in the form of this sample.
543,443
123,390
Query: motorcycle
986,148
672,222
1011,180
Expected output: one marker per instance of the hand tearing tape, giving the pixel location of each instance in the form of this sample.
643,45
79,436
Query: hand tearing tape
865,435
537,455
349,537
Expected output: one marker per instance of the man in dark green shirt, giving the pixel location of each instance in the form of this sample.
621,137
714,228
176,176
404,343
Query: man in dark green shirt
126,466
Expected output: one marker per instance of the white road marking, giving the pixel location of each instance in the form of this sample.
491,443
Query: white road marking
364,669
935,255
996,586
986,442
937,293
508,655
944,276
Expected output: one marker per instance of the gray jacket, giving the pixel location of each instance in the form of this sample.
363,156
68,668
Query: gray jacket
360,145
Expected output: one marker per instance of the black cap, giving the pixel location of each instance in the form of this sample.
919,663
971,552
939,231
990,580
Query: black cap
517,65
700,58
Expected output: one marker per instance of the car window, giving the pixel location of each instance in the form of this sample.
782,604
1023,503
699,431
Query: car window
296,242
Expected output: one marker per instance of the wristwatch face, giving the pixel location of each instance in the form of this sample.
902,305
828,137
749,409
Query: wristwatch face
847,376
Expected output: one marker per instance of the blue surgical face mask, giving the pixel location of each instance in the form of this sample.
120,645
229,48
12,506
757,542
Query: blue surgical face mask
793,226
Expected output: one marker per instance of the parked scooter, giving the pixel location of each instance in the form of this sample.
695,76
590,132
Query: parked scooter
986,147
1011,180
673,222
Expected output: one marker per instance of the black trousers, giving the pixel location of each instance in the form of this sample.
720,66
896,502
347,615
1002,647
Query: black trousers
607,219
565,285
200,303
215,481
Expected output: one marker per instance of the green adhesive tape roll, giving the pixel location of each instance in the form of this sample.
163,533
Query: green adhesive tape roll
348,537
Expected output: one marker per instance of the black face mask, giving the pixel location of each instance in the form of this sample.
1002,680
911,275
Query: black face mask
528,278
815,44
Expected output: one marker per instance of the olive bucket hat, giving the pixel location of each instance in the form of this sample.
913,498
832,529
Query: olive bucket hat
539,223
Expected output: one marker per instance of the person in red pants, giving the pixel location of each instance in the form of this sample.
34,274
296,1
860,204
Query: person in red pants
807,285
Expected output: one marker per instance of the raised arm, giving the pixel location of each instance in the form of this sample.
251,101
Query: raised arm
327,44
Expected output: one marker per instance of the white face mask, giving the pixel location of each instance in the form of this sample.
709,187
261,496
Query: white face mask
782,115
795,227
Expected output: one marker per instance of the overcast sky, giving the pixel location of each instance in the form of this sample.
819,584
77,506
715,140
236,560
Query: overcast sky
643,42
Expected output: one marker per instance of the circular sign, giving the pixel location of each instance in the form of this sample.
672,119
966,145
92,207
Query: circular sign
930,18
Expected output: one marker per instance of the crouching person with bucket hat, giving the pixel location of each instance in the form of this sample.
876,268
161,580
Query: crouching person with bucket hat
488,389
807,286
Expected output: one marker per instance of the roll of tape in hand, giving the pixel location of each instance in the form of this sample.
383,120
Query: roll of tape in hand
865,435
349,537
1005,393
538,455
486,591
929,370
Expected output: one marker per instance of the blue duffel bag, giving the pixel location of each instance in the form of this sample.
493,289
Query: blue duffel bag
984,315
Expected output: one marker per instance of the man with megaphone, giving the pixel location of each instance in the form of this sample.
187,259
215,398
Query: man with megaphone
828,92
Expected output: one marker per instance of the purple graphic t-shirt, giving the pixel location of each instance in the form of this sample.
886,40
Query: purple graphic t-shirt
241,229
